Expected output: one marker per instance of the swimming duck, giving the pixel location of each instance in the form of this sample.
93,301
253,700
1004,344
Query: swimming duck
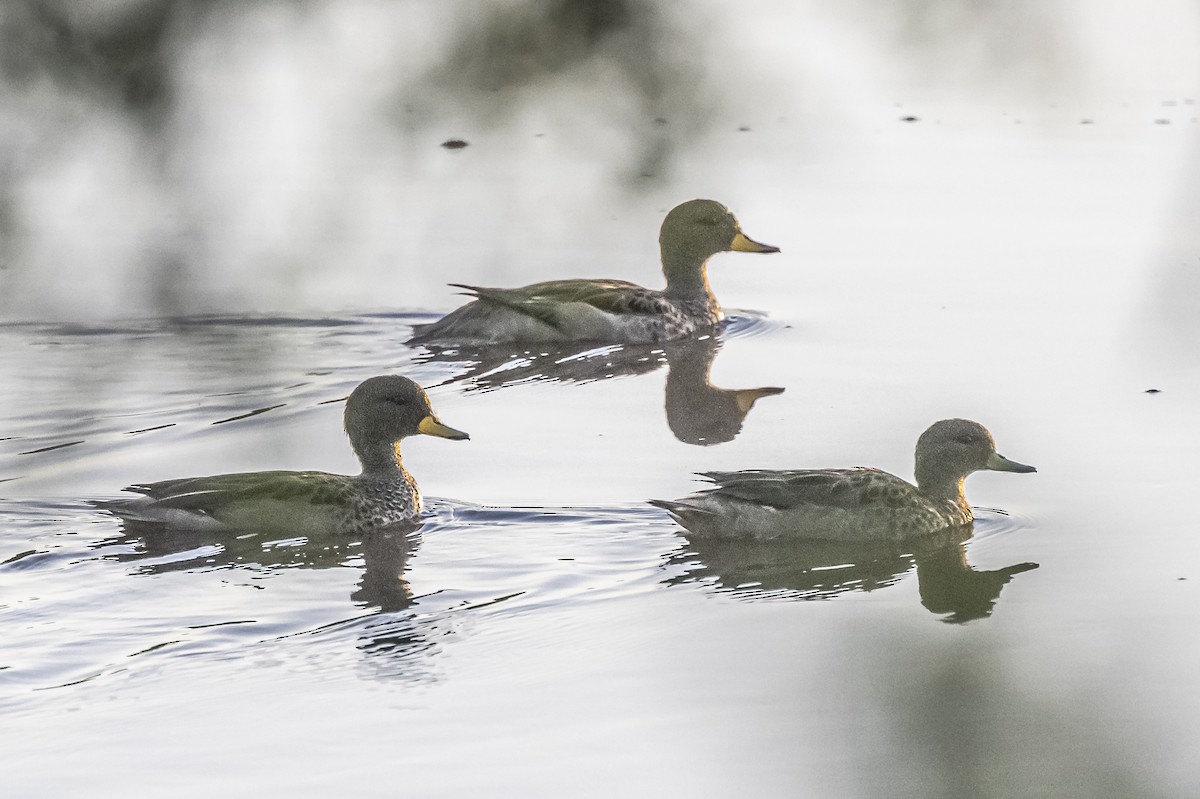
608,310
849,504
379,412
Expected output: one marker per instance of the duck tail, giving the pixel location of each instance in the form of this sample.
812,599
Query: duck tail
681,510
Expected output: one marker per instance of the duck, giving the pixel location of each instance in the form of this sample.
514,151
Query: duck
851,505
379,413
613,311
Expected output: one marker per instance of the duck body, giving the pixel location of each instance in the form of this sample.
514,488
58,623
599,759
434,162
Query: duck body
293,503
603,309
379,413
573,310
831,504
860,504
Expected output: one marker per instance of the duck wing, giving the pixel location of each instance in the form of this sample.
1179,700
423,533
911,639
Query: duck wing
558,302
214,492
851,489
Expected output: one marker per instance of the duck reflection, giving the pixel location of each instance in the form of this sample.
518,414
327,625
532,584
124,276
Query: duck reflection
697,411
384,552
815,569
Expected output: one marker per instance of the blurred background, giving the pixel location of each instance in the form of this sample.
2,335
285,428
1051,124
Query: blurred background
164,157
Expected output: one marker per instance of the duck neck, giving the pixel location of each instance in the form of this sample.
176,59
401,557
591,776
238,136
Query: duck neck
687,276
939,486
379,458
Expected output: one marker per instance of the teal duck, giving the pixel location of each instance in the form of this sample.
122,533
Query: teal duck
608,310
379,413
848,504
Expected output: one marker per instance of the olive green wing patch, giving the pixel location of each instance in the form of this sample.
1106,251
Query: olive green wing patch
852,489
209,493
553,302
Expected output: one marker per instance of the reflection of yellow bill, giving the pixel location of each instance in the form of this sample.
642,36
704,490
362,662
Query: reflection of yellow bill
742,243
746,397
430,426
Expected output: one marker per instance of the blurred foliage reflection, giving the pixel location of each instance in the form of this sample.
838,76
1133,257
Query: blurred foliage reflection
639,72
176,157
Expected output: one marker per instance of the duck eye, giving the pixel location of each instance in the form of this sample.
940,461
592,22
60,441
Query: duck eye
965,439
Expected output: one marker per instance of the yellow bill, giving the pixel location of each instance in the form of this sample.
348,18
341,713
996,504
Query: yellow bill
742,243
430,426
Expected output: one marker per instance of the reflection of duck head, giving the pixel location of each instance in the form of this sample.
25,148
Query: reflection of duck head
385,555
697,411
950,586
804,569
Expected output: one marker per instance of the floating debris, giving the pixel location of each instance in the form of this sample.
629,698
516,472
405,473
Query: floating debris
454,144
910,119
1153,391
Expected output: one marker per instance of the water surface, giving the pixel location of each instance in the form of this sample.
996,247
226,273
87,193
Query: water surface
544,614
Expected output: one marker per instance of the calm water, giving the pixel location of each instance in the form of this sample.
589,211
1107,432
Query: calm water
585,645
1023,252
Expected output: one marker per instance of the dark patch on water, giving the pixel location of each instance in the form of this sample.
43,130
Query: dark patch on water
151,429
51,448
255,412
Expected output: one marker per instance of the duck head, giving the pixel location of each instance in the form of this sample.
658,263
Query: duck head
383,410
952,449
695,231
